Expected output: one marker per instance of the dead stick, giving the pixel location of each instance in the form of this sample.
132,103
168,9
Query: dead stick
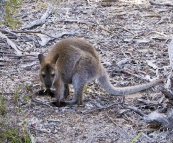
101,108
136,110
7,31
41,20
111,119
40,102
125,30
160,4
18,52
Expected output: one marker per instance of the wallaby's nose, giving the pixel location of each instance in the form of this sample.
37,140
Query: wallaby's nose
48,85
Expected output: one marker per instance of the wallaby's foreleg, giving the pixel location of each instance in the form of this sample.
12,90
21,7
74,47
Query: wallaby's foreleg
59,92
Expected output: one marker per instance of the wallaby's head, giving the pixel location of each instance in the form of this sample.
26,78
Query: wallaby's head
48,71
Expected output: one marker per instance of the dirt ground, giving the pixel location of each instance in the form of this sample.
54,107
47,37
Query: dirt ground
132,40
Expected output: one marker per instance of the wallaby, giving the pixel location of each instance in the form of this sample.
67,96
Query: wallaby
75,61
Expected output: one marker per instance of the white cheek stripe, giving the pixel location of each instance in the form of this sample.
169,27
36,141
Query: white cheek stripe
53,80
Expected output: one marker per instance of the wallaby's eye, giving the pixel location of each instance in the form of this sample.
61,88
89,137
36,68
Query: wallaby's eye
52,75
43,75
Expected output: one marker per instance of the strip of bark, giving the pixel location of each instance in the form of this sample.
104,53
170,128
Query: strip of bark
160,4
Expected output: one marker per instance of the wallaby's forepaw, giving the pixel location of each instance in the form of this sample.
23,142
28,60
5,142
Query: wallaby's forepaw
41,92
45,92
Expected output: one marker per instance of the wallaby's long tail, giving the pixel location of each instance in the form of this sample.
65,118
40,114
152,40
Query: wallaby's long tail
104,81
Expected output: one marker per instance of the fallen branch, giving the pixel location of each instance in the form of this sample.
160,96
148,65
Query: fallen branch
7,31
41,20
45,40
17,51
168,91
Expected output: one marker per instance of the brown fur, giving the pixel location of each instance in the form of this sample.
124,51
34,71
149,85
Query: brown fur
75,61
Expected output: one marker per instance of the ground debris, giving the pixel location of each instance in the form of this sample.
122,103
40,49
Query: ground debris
132,40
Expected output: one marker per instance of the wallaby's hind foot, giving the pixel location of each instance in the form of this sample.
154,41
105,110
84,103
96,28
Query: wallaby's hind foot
55,104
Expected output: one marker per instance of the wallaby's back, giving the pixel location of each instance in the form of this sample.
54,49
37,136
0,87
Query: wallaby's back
74,54
71,46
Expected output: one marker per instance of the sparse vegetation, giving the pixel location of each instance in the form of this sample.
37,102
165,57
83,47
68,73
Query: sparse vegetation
9,130
11,10
16,93
12,134
2,105
136,138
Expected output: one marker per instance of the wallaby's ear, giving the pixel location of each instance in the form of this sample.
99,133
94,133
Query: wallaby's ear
41,58
55,58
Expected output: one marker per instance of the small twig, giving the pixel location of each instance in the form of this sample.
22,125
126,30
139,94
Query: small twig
149,103
152,15
101,108
64,34
136,110
111,119
125,30
106,29
44,131
7,31
5,93
40,102
52,37
20,56
31,31
135,75
115,33
120,13
170,52
76,21
55,37
159,33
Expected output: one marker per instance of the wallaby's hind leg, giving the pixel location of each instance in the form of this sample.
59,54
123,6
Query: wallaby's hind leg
78,85
78,82
66,90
